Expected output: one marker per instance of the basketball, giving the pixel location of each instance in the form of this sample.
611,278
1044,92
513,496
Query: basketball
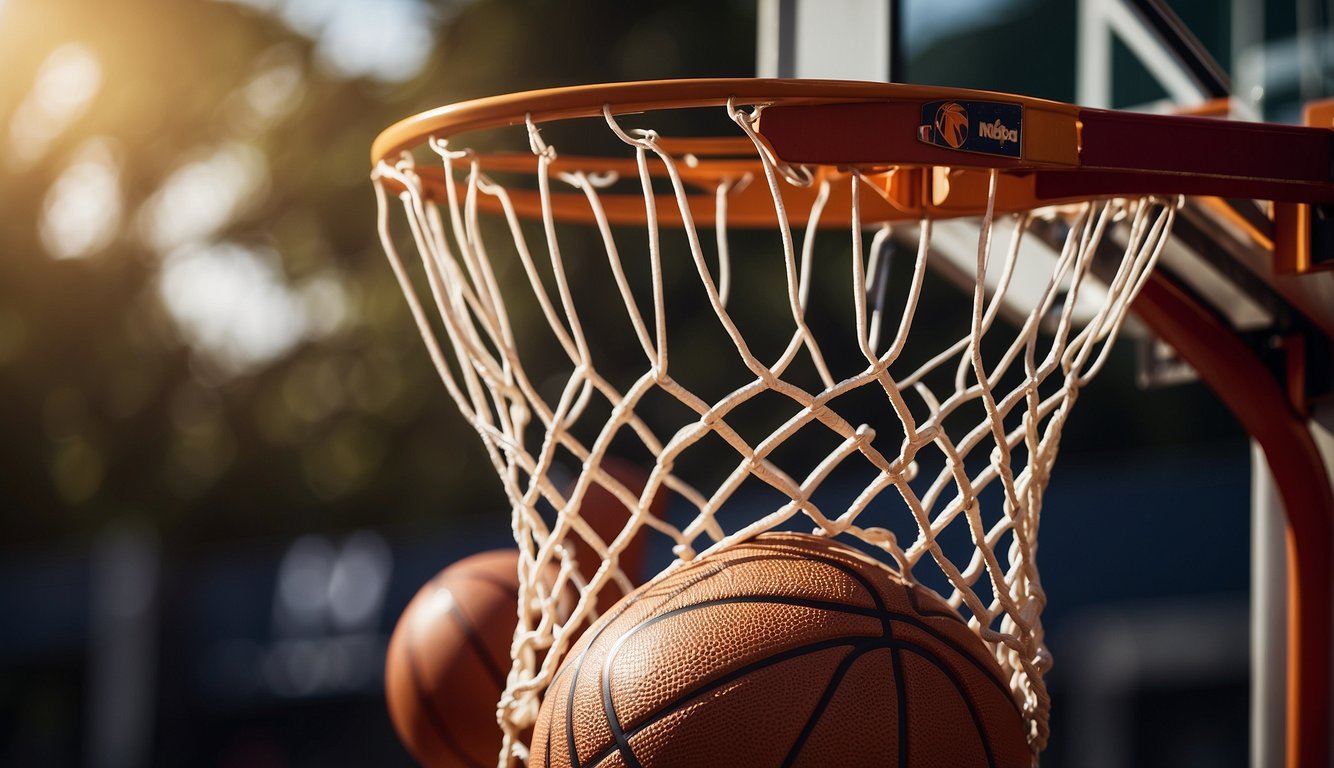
448,659
786,649
607,516
450,652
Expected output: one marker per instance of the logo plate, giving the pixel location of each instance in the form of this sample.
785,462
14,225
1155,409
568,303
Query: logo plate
985,127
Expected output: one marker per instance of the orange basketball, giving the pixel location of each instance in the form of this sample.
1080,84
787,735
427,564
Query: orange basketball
450,652
448,659
783,650
607,515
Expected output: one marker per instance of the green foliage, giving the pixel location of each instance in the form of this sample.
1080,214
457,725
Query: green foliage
111,404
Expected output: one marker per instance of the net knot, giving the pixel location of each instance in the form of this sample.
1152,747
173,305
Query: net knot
381,170
636,137
535,141
796,175
441,148
740,115
403,171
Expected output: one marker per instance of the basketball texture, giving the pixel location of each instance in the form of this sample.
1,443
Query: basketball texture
787,650
448,659
450,652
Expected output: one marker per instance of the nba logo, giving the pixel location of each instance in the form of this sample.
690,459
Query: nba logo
985,127
952,124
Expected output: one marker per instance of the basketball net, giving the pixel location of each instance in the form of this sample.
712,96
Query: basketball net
553,357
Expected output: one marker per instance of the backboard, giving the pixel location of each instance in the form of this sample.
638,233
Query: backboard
1243,59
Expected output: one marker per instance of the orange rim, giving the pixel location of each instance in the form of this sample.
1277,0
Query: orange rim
1072,152
624,98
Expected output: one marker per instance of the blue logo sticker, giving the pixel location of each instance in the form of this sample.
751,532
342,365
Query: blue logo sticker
985,127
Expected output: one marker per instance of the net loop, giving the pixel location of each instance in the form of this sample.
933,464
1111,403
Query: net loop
535,141
796,175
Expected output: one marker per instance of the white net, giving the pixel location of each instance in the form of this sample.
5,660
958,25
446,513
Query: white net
810,381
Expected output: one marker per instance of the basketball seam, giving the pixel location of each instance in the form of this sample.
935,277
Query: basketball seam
675,704
896,661
915,601
428,706
475,642
963,652
609,706
887,616
978,723
982,666
620,738
811,554
852,573
547,761
711,570
621,742
831,689
592,637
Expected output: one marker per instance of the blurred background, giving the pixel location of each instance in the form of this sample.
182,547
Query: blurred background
226,463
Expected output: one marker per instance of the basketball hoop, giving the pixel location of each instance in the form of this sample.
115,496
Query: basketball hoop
735,375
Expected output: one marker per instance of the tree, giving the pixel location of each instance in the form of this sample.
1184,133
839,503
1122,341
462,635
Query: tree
197,327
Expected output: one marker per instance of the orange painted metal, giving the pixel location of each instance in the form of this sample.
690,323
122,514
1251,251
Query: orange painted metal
1069,153
1261,405
625,98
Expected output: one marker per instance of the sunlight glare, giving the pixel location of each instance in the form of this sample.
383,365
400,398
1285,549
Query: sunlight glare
231,304
202,196
277,89
66,83
82,210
